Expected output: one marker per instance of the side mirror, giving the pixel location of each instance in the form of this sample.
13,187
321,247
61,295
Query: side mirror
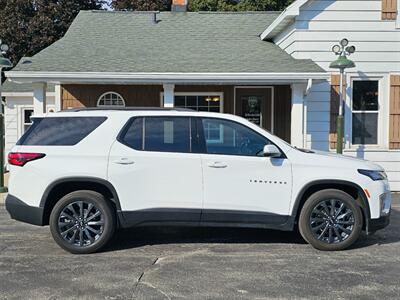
271,151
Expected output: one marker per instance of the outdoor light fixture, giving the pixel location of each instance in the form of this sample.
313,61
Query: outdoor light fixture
343,50
4,63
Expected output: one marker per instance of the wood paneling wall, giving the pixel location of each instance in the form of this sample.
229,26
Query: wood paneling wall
282,111
79,95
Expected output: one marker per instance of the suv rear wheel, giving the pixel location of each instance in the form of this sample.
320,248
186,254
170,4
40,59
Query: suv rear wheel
330,220
82,222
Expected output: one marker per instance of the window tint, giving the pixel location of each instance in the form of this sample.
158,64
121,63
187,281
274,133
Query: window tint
162,134
61,131
133,136
230,138
167,134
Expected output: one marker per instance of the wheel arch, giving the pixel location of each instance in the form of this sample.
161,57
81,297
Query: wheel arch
61,187
348,187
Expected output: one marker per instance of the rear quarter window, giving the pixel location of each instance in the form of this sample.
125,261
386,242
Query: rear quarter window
60,131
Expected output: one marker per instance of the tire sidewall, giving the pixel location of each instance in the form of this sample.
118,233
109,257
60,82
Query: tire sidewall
312,201
90,197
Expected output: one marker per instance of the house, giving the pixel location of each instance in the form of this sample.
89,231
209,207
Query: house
269,67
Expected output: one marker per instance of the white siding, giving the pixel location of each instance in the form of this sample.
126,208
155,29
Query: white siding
13,117
318,108
319,26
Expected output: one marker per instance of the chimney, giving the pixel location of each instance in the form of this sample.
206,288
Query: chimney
179,5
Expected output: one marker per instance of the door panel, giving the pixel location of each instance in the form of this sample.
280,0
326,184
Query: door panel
165,183
238,178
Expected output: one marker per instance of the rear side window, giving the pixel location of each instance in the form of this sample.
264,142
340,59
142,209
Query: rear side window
60,131
159,134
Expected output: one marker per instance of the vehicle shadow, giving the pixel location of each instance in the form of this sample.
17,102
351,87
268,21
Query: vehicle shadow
144,236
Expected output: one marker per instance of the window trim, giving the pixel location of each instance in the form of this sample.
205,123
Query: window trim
110,92
220,94
349,112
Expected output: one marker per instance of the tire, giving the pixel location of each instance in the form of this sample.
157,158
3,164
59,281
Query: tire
325,231
82,231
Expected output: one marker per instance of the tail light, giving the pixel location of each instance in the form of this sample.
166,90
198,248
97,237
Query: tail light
20,159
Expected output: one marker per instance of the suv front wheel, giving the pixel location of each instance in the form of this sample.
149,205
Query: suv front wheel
82,222
330,220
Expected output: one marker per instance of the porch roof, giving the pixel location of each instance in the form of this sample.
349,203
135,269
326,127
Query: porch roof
180,43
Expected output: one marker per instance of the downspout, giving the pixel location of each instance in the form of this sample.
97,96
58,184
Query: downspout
306,93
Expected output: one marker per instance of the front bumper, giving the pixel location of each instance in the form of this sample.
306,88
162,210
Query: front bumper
21,211
377,224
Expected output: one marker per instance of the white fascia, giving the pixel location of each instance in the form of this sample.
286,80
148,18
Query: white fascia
24,94
284,19
160,78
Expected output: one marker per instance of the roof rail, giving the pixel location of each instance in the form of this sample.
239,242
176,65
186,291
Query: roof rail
128,109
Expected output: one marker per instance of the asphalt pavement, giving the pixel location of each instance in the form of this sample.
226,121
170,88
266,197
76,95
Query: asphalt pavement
198,263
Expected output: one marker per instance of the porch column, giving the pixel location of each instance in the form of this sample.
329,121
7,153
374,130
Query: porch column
58,100
168,95
297,123
39,98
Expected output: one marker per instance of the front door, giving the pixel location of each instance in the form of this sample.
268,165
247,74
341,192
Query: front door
240,185
255,105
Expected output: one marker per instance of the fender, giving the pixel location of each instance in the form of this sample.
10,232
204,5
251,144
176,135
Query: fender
364,200
100,181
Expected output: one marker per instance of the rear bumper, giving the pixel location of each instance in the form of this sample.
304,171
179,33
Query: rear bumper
377,224
21,211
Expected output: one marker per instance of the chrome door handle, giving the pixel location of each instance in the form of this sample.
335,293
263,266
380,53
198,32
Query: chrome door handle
124,161
217,165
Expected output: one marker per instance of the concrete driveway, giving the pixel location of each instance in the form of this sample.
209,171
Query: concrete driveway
187,263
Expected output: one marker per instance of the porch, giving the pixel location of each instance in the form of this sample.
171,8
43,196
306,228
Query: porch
278,108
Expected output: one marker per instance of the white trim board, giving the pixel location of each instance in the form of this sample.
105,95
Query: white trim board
159,78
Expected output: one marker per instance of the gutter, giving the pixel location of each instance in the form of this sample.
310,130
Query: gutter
160,78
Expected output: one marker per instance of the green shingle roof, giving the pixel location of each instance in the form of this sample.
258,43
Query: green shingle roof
13,87
100,41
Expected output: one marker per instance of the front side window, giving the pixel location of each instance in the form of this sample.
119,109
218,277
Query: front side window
210,103
59,131
365,110
231,138
160,134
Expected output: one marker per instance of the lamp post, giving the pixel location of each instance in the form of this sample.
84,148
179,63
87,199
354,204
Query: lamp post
342,63
4,63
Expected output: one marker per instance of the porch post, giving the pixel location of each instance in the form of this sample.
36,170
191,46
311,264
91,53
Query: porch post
39,98
58,99
297,120
168,95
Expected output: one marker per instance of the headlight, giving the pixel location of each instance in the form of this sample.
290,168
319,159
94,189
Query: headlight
374,175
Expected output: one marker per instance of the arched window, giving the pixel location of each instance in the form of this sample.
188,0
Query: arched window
111,99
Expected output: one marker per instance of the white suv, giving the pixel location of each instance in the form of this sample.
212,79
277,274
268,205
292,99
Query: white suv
87,172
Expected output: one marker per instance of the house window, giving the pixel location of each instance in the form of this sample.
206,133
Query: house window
365,111
111,99
200,102
26,121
